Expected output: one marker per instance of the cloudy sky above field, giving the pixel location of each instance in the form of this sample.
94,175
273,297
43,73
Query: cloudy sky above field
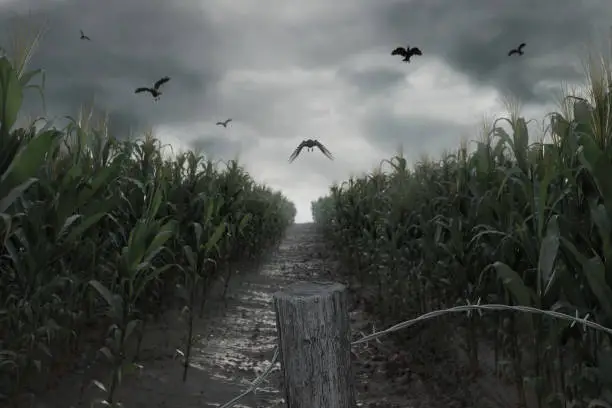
288,70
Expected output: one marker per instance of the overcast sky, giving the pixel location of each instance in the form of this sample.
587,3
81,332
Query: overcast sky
288,70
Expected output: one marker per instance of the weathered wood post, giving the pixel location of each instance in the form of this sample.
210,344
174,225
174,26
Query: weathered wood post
314,339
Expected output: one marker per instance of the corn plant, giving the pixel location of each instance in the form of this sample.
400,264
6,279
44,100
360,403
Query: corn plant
95,236
198,255
515,220
136,268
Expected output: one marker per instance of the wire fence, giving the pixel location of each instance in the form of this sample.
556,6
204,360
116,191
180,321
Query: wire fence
575,319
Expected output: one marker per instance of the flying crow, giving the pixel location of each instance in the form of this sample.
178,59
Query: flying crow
224,124
517,51
310,144
406,52
84,37
155,90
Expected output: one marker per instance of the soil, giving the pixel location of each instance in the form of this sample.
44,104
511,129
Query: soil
234,342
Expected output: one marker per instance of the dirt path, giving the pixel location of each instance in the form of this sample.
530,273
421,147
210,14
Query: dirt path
234,342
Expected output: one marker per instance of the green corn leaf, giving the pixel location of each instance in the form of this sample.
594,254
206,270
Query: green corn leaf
512,281
11,96
215,237
148,277
190,256
114,301
104,177
600,168
130,329
26,77
583,112
167,231
198,231
548,253
78,231
137,244
27,162
67,224
243,222
155,203
600,218
595,273
10,198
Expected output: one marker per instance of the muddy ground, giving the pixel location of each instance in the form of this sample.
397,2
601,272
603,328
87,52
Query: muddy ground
235,340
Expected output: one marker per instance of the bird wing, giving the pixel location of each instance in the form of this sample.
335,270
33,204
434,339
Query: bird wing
324,150
512,52
416,51
228,121
220,124
82,33
139,90
297,151
399,51
161,82
520,47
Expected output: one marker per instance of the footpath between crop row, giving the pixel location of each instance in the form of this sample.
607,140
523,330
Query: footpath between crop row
235,339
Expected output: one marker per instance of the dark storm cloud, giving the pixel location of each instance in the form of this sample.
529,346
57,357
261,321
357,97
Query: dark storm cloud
137,41
415,135
219,147
372,81
474,36
133,43
272,70
123,124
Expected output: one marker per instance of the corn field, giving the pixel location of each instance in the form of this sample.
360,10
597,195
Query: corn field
99,232
513,221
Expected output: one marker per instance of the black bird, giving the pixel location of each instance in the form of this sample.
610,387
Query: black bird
155,90
84,37
310,144
224,124
406,52
518,50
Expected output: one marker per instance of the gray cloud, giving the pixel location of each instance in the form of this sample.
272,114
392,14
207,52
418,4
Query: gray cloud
473,36
133,44
220,147
413,135
305,69
372,81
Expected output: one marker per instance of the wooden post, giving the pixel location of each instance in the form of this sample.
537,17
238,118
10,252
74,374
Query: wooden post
314,339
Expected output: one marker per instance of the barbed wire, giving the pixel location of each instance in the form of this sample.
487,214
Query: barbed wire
491,307
256,382
427,316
